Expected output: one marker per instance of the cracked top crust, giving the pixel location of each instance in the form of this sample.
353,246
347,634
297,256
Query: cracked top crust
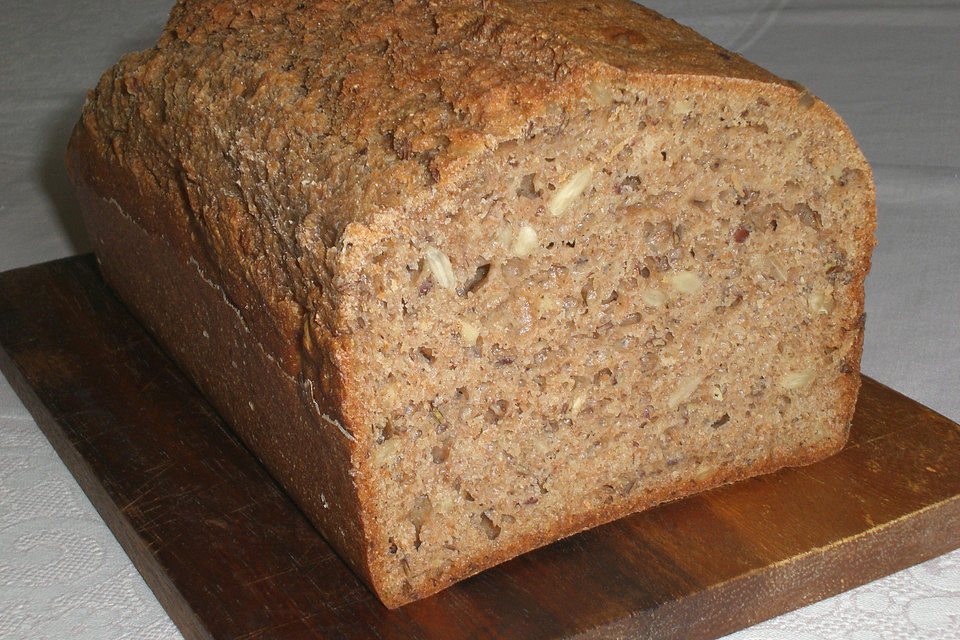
285,121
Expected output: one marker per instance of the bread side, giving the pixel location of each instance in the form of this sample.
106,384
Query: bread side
527,266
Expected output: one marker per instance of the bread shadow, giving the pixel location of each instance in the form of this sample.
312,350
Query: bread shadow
53,178
51,170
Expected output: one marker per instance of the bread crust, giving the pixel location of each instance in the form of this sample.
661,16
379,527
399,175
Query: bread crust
168,159
274,413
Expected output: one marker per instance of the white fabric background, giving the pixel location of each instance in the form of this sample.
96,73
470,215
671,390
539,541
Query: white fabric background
891,69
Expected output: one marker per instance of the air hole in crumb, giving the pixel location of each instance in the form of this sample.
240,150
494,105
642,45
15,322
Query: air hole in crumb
496,411
476,281
384,433
527,189
441,452
663,154
503,356
427,353
414,271
603,376
630,183
422,508
807,216
722,420
587,291
848,176
488,526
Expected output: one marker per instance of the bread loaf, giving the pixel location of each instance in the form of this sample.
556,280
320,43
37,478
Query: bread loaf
473,275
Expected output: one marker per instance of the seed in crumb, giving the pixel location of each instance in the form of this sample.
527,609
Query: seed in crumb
684,390
797,379
820,302
386,452
571,189
577,404
653,298
440,268
775,269
524,242
683,106
602,94
685,282
469,333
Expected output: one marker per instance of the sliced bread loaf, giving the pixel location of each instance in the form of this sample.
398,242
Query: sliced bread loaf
471,276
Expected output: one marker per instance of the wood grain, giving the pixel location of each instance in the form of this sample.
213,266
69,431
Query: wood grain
231,557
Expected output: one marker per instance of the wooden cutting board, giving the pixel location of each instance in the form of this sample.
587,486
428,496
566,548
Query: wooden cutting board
230,557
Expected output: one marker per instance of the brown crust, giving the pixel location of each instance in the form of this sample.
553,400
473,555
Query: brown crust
204,333
149,169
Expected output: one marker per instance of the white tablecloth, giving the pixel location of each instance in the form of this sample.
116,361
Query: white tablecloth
892,70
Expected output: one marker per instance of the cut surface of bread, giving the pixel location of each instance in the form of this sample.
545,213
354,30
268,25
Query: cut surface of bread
473,276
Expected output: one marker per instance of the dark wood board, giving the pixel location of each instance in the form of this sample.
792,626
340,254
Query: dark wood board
230,557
